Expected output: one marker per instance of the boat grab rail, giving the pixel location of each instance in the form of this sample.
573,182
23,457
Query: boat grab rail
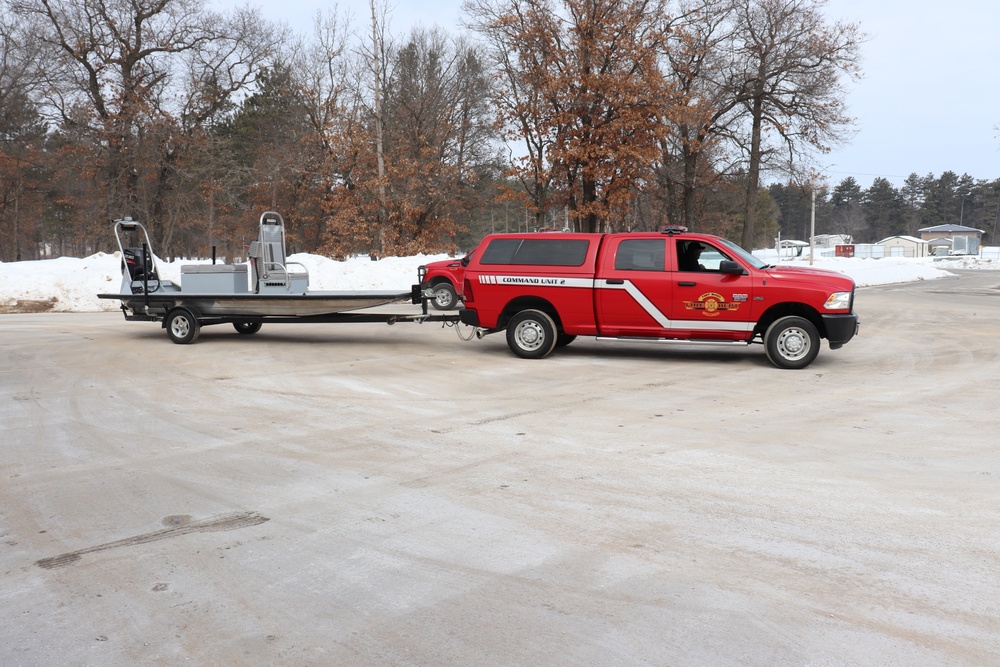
285,276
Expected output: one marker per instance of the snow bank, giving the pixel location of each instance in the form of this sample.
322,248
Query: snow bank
867,271
71,284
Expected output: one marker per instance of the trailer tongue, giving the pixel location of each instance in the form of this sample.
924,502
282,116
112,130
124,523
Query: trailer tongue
269,289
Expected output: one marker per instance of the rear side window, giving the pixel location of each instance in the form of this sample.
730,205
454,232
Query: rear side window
545,252
640,255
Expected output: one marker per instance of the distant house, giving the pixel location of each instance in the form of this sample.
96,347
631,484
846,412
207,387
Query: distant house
905,246
949,231
962,240
832,240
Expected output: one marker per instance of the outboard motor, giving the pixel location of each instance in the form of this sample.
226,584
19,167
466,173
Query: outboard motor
142,278
133,260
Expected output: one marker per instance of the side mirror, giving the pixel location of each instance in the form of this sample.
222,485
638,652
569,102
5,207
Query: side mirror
731,268
465,260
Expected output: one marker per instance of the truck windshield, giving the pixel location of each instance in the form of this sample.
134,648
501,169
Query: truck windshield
744,255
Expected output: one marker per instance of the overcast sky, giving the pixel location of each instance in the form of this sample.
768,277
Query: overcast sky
929,102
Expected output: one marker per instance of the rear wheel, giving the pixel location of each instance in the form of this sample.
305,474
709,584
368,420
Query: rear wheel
531,334
445,297
247,328
792,342
182,326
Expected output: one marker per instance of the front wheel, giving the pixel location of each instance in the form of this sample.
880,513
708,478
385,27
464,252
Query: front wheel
531,334
182,326
247,328
792,342
445,297
562,340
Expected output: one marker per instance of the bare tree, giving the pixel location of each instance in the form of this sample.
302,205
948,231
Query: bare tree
115,69
582,89
21,131
787,72
697,151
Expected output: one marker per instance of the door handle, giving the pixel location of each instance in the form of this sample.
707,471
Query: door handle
686,283
615,281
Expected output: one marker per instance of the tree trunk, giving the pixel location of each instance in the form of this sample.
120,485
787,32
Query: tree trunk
753,176
690,187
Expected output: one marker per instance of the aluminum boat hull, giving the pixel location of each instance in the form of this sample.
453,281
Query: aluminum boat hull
259,305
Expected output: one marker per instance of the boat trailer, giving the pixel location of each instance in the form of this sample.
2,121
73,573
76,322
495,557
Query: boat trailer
267,289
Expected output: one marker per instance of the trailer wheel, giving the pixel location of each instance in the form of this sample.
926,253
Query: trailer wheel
182,326
792,342
531,334
445,297
247,328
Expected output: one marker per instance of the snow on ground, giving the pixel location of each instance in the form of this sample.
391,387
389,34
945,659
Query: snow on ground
71,284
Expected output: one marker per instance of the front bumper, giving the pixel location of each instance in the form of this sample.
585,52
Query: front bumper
840,329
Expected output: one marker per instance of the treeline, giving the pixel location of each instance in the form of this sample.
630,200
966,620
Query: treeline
591,114
882,210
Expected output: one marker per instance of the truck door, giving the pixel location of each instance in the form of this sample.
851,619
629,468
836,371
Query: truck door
707,303
633,288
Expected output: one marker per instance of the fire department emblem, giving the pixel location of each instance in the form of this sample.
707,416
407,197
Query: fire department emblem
711,304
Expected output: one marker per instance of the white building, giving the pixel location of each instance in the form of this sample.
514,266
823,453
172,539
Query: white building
905,246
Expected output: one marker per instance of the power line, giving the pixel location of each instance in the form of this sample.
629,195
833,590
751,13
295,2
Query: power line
859,173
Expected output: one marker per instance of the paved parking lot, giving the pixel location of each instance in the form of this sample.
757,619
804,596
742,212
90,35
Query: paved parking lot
374,495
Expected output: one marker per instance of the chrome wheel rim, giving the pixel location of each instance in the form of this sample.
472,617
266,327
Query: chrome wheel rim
793,344
180,327
530,335
442,298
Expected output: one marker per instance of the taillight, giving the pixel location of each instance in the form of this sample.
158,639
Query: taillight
467,291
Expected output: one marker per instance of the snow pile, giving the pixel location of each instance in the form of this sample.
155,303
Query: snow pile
71,285
68,283
972,261
866,271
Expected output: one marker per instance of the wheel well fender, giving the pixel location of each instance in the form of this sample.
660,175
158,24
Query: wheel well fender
528,303
437,280
777,311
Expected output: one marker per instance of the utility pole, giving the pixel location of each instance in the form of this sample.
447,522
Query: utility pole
812,227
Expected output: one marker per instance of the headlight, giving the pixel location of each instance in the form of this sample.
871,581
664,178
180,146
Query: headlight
838,301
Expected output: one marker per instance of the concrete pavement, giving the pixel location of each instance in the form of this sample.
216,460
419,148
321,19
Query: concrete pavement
374,495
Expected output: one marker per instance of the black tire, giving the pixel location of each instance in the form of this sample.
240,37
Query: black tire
247,328
792,342
531,334
445,297
182,326
562,340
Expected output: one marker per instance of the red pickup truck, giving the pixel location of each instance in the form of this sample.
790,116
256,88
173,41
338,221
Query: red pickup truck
445,278
674,286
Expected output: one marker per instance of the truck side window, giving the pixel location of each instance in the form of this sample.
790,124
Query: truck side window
698,256
500,251
640,255
689,256
538,251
